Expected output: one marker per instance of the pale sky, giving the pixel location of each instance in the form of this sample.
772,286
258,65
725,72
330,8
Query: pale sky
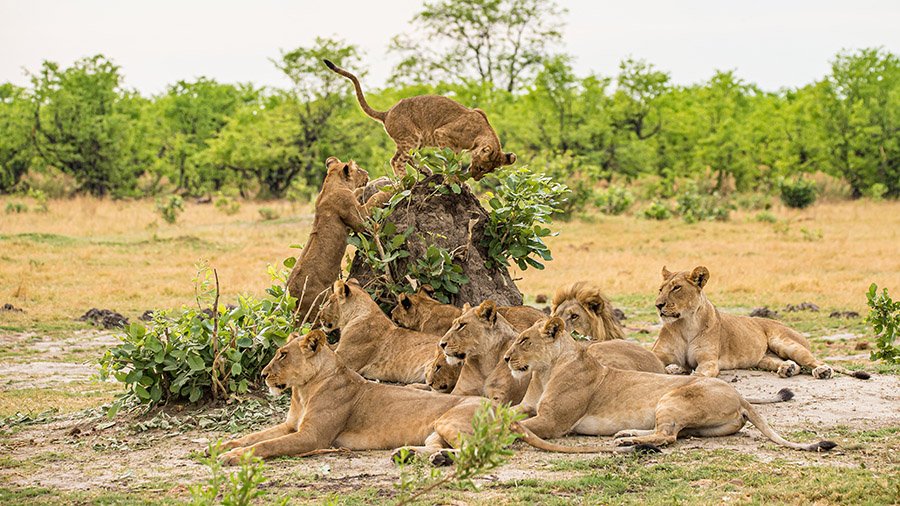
775,44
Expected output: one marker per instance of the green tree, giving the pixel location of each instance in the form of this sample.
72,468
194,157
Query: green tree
16,151
861,108
82,125
497,42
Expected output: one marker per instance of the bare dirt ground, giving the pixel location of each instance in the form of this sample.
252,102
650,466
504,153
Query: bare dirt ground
85,451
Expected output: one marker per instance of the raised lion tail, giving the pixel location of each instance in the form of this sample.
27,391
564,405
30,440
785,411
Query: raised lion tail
534,440
372,113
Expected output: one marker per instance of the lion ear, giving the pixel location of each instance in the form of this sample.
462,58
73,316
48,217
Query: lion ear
427,289
487,311
487,150
341,289
594,304
331,160
313,340
553,327
466,307
666,274
404,301
699,276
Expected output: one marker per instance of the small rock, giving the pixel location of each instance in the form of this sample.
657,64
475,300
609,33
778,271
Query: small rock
619,314
862,345
105,318
844,314
764,312
803,306
204,200
540,298
546,310
13,309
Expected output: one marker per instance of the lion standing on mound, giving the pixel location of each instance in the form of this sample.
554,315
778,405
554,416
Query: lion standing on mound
337,209
697,337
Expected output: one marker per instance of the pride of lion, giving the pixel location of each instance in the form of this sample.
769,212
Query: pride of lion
415,379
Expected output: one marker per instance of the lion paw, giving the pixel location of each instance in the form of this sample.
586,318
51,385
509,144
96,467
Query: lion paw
624,434
822,372
403,455
675,369
625,441
231,458
788,368
441,458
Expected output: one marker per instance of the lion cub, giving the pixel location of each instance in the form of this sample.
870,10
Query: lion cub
431,120
697,337
635,407
337,210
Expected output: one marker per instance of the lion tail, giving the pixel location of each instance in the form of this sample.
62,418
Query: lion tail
783,395
372,113
534,440
760,423
863,375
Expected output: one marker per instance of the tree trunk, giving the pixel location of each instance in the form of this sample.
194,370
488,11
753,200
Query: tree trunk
446,221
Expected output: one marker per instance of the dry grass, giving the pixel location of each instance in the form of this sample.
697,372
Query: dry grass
120,255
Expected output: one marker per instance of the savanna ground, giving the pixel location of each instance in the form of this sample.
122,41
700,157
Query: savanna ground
57,447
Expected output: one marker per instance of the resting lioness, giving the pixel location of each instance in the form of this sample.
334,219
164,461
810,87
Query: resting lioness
477,339
431,120
370,343
636,407
333,406
587,311
419,311
697,337
337,209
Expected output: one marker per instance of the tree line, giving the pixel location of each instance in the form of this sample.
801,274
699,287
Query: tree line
203,136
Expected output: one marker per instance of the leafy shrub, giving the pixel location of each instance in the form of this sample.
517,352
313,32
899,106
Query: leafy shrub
694,206
754,201
170,207
40,200
191,354
227,205
657,210
877,192
884,316
520,203
16,208
268,214
799,195
614,200
437,269
238,489
485,449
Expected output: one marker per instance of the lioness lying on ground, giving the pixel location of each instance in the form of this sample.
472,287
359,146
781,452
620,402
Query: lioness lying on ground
587,311
333,406
477,339
697,337
635,407
337,210
370,343
431,120
419,311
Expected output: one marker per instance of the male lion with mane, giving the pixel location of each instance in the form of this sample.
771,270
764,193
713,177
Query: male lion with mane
697,337
587,311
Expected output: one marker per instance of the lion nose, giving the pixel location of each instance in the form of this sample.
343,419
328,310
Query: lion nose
506,359
443,344
660,305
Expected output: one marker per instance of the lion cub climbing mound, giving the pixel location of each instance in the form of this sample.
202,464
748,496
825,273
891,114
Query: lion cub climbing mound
436,121
696,336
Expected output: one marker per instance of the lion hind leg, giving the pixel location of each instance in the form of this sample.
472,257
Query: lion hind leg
786,347
662,435
784,368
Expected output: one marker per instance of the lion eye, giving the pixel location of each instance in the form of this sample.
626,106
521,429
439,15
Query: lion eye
437,368
573,317
676,288
461,326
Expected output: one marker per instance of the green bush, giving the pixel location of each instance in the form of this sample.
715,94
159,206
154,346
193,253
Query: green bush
170,207
884,316
268,214
765,217
657,210
614,200
16,208
800,194
694,206
519,204
237,489
436,268
227,205
191,354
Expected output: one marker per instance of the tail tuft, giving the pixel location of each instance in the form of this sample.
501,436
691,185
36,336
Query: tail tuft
645,449
824,446
328,63
785,394
863,375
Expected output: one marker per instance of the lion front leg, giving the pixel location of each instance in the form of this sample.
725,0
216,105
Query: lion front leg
296,443
279,430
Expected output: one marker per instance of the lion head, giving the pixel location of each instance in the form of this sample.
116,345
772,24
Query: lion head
346,299
467,334
441,376
488,158
298,361
412,310
536,348
349,174
587,311
681,293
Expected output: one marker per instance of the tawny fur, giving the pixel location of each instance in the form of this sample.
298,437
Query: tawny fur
370,343
337,212
587,311
635,407
697,337
431,120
